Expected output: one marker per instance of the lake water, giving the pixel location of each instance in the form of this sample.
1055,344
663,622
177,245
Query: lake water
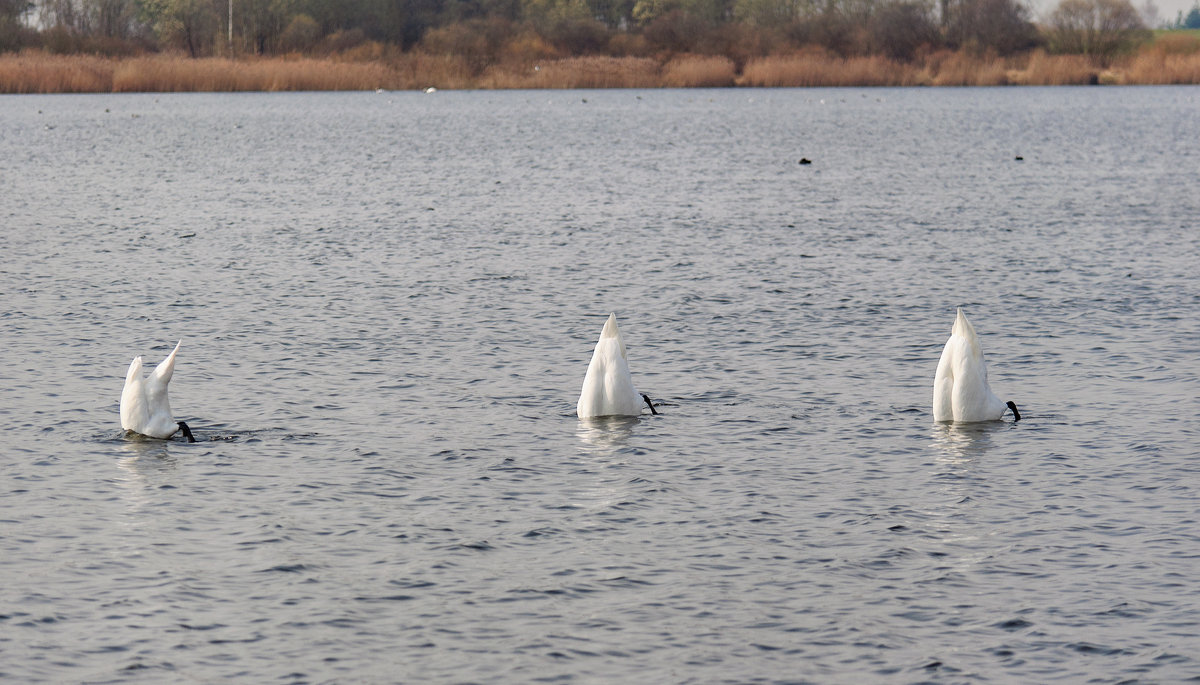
388,302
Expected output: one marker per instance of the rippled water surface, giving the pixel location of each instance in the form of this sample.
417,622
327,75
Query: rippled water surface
387,304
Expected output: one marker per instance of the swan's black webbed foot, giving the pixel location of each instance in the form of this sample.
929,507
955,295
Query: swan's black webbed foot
187,432
1016,414
649,403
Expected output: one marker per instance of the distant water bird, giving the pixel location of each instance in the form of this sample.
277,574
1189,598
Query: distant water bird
431,89
805,160
1019,158
145,409
608,386
960,388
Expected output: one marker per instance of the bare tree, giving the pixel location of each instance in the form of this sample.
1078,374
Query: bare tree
766,13
1149,12
62,14
190,24
901,27
1000,26
12,30
262,21
1101,29
13,10
112,18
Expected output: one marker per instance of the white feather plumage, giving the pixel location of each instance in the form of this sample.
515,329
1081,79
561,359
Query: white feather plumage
960,389
145,408
608,386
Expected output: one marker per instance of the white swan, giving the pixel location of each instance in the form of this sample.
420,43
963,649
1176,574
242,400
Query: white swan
145,408
608,387
960,388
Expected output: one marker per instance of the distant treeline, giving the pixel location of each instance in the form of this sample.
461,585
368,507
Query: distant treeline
491,31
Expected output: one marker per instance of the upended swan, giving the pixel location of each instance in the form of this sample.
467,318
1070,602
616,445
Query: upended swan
960,388
145,409
608,387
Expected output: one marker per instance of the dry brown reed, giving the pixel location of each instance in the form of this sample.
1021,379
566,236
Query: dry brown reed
597,72
820,70
509,76
576,72
1161,68
699,71
418,70
1176,44
37,72
1055,70
1173,61
962,69
180,74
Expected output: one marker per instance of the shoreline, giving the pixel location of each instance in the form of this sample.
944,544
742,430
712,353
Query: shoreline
35,72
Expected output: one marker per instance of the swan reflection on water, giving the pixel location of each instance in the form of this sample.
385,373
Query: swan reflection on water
150,449
963,441
606,434
147,466
600,481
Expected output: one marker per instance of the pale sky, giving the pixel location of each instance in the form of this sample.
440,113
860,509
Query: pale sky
1167,9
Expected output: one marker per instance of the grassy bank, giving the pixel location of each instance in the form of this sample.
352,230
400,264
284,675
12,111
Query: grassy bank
1163,62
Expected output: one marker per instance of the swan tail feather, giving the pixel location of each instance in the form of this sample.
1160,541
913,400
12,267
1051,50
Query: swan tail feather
134,373
612,331
166,368
608,388
963,328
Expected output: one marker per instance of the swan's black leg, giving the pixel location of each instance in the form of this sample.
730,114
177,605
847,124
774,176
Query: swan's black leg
1016,414
187,432
649,403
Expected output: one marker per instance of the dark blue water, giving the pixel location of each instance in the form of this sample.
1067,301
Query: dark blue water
387,304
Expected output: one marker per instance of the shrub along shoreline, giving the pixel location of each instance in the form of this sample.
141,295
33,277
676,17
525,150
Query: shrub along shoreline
41,72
